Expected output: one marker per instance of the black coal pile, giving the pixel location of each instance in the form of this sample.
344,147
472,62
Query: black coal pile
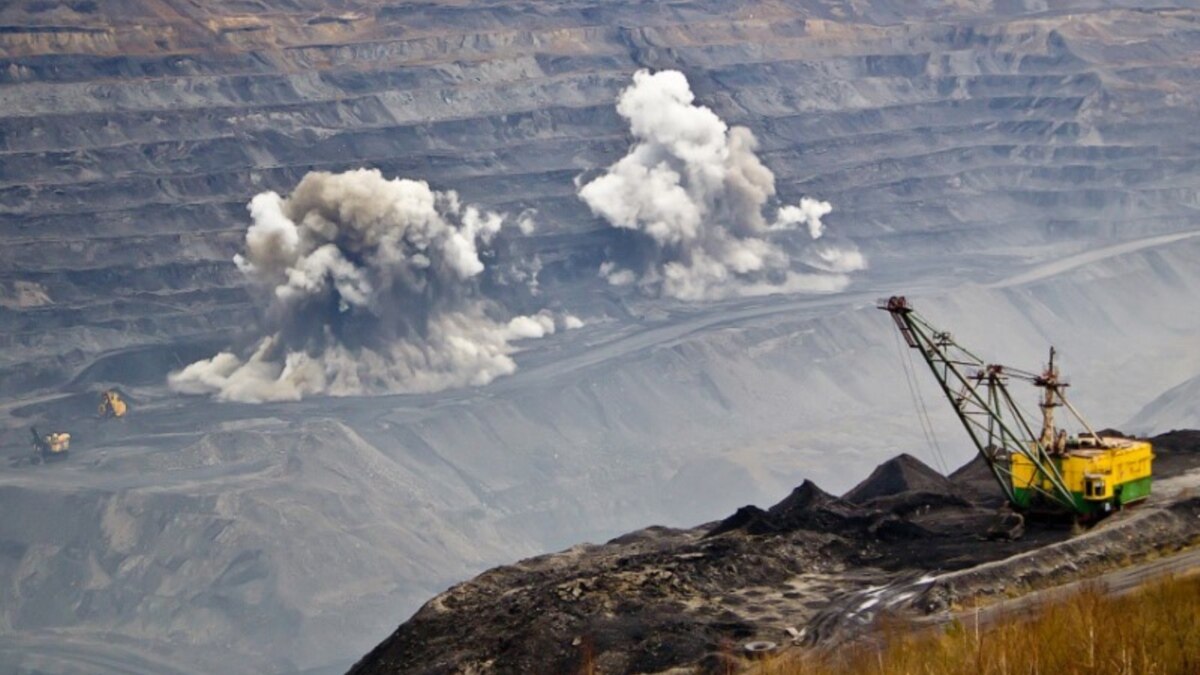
900,474
647,603
808,507
661,598
977,480
1176,450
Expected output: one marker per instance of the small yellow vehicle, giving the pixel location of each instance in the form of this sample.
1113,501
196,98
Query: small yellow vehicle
112,405
50,447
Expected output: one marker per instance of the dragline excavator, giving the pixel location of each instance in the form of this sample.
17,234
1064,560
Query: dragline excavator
1040,470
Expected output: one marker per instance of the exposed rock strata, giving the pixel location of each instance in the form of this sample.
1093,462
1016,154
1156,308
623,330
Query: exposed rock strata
133,132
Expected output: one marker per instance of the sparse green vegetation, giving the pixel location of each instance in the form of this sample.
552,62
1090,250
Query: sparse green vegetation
1155,631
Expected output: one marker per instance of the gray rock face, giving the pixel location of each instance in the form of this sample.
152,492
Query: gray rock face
1039,163
134,133
1178,406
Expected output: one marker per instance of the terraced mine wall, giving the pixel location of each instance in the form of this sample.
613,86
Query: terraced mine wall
133,133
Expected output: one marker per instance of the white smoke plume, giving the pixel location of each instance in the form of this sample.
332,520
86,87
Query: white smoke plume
696,190
367,285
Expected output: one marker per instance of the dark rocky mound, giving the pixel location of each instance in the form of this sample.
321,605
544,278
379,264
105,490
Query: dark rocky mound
808,507
890,504
977,481
900,474
1178,441
661,598
749,518
804,499
1175,451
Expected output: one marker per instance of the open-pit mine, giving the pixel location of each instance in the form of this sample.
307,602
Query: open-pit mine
311,311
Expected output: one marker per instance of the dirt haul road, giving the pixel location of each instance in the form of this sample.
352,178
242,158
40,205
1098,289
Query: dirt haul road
1115,583
1168,521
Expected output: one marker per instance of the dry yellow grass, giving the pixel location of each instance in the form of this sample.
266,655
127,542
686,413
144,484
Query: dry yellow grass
1155,631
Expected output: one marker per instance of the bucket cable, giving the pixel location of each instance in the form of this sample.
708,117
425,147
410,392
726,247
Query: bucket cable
937,446
922,415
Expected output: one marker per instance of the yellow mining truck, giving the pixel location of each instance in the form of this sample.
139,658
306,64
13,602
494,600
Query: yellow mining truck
112,405
50,447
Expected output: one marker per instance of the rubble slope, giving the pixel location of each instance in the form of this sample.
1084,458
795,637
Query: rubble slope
813,568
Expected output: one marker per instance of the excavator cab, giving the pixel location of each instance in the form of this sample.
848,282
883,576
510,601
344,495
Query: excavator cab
1096,487
112,405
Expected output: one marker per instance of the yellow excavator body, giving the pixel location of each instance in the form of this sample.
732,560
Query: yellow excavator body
112,405
58,442
1101,476
50,446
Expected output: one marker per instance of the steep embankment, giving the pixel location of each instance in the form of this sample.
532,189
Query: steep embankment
1177,407
813,569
